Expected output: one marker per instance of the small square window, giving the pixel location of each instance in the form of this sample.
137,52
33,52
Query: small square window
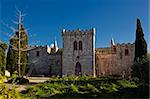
38,53
126,52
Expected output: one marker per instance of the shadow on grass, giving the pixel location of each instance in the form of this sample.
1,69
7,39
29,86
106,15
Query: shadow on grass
126,93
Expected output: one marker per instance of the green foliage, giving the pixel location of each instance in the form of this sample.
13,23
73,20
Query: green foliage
7,92
12,55
113,88
66,87
140,69
92,88
74,88
14,76
140,43
126,84
12,59
109,88
3,48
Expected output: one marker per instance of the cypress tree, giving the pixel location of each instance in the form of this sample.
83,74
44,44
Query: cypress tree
140,68
3,47
140,43
12,57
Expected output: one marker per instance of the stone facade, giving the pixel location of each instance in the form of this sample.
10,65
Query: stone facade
78,57
114,60
43,63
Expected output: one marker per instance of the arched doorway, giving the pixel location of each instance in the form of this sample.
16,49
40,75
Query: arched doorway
78,69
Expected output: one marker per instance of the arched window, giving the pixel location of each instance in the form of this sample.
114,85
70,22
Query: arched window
75,45
80,45
126,52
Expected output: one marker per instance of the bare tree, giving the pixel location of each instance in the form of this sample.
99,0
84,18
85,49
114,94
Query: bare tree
20,16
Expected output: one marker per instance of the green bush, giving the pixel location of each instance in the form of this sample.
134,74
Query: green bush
75,87
126,84
7,92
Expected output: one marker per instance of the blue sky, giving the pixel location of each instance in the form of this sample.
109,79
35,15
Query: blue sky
46,18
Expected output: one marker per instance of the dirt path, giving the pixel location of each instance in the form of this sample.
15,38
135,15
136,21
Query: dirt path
37,79
32,81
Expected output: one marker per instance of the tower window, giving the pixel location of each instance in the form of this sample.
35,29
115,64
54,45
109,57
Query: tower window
80,45
78,57
37,53
75,45
126,52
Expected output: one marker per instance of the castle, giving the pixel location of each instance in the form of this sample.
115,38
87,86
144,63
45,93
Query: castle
80,57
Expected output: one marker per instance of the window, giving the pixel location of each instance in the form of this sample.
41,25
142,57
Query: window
37,53
80,45
75,45
120,55
126,52
78,69
115,49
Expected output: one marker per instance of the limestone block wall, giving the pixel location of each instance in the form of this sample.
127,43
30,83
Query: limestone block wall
86,56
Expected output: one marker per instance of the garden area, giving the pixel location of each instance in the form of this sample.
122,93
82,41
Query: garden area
77,87
86,87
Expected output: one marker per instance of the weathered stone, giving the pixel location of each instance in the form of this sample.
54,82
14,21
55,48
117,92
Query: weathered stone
114,60
85,56
79,57
43,63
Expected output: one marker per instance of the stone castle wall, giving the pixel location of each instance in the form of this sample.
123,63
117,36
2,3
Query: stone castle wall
43,63
115,60
86,56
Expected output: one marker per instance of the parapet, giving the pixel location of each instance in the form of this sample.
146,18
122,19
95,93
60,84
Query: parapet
34,47
106,50
78,32
125,44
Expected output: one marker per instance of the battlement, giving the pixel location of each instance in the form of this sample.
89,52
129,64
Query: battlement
33,47
37,46
125,45
106,50
78,32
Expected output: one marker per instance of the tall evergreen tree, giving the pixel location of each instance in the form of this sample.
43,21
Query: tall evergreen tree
3,48
140,68
140,43
12,55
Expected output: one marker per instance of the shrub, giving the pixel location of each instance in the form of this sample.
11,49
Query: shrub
75,87
126,84
19,80
7,92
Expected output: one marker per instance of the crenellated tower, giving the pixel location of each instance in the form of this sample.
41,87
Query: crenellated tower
78,57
